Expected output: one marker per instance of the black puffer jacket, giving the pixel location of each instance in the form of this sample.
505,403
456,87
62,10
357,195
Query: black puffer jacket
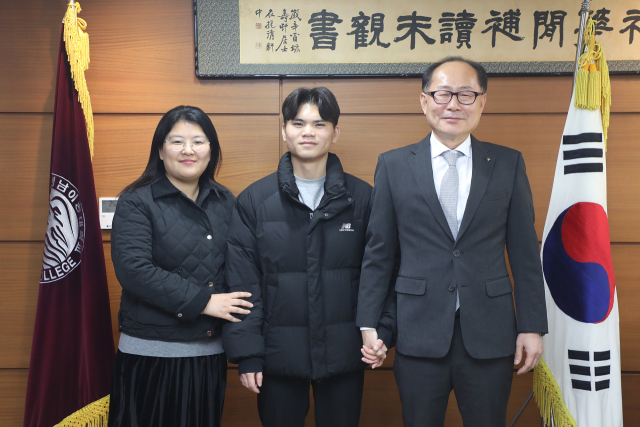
169,253
302,269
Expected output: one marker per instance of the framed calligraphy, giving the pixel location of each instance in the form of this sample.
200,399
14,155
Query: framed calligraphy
277,38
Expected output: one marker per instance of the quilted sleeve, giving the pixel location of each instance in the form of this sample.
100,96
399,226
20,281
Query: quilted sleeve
242,341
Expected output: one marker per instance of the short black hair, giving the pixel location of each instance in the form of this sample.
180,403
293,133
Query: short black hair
480,71
155,166
319,96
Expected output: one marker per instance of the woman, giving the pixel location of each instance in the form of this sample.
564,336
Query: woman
168,248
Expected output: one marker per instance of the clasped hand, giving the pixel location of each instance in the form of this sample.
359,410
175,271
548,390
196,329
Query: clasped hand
374,351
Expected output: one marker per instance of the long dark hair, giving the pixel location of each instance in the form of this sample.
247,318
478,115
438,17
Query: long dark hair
155,167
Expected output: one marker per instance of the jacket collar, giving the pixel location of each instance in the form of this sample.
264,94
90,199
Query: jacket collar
163,187
423,171
334,183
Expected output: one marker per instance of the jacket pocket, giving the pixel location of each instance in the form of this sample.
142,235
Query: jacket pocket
411,285
495,196
499,287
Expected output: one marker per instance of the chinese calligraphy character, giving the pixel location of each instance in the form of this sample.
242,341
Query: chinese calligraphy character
510,22
601,19
269,24
416,22
270,35
283,44
322,30
283,27
269,47
541,18
360,23
295,48
377,26
446,32
295,14
270,14
464,24
294,28
634,17
284,16
258,12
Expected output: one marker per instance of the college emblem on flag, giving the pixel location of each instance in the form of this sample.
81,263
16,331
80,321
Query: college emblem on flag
578,380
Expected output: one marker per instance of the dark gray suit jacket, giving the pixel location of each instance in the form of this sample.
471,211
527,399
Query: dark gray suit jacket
499,211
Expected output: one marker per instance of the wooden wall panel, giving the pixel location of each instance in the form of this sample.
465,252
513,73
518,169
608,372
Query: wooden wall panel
630,401
115,290
625,267
20,264
142,60
123,143
29,54
13,389
24,173
144,52
505,95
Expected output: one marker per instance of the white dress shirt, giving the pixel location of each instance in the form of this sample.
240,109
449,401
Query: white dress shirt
463,164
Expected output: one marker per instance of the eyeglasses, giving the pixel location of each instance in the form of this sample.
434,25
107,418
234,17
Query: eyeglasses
465,97
179,144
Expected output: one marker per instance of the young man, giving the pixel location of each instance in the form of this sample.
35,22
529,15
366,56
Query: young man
296,242
453,203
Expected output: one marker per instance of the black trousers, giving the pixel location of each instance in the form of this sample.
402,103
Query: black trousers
284,401
482,386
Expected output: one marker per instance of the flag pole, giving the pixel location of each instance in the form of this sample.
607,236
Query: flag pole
584,15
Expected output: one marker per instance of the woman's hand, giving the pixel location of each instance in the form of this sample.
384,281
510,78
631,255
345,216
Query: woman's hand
222,305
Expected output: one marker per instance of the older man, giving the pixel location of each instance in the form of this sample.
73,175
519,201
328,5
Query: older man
452,203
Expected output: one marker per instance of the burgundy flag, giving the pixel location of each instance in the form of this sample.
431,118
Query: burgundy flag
72,351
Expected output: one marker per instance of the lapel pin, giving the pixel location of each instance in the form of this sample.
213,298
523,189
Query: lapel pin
488,159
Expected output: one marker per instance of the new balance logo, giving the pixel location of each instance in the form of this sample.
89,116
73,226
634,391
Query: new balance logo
346,227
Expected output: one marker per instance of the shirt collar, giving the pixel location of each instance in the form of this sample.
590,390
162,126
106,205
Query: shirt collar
437,147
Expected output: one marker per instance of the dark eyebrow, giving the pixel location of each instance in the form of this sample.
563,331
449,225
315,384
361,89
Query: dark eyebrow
174,135
298,119
444,87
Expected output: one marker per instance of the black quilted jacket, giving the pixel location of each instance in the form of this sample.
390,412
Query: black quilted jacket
169,254
303,271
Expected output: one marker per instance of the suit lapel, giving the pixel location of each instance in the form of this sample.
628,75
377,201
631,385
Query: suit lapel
422,169
482,164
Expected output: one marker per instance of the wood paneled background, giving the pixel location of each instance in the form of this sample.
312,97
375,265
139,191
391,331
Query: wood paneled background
142,64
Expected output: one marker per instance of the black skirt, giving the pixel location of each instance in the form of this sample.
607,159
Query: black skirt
171,392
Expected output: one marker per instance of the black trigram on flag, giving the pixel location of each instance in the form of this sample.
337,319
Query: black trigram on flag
581,371
571,151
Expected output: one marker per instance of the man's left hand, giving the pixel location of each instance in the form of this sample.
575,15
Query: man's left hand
531,343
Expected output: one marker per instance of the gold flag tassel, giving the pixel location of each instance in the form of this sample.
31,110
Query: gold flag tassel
77,45
549,398
95,414
593,87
